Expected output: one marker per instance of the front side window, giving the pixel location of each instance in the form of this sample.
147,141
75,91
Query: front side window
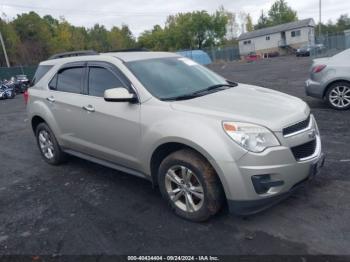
101,79
171,77
68,80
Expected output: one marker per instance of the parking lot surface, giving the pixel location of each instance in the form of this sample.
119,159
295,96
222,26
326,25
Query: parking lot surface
84,208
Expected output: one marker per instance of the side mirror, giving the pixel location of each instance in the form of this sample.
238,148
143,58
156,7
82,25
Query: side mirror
119,94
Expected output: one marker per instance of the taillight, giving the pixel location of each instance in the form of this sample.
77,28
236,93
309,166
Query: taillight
26,96
318,68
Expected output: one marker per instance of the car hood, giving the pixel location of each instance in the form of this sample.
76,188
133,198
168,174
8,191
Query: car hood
247,103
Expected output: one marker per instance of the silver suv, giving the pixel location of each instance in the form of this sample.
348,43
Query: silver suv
202,139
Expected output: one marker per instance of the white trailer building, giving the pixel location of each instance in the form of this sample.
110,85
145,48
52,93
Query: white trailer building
280,38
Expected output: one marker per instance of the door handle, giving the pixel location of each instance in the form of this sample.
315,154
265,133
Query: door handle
89,108
50,99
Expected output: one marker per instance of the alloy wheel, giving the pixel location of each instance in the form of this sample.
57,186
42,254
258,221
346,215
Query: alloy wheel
184,188
339,96
46,144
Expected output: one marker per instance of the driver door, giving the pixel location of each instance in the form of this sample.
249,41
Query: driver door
111,130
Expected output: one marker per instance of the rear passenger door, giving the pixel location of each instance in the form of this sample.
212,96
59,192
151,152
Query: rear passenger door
112,129
64,100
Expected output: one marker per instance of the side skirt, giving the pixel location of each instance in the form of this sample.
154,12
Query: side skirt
108,164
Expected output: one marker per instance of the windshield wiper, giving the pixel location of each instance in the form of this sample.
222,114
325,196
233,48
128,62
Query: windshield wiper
213,87
182,97
200,92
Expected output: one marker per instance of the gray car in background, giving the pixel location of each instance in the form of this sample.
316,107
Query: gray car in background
308,50
330,80
200,138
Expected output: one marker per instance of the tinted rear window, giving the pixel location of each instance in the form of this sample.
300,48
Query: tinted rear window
40,72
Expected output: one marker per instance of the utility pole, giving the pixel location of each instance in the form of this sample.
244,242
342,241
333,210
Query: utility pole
320,19
4,48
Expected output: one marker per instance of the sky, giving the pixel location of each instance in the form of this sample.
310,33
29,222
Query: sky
142,15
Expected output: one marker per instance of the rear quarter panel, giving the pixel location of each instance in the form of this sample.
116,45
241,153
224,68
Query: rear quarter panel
37,106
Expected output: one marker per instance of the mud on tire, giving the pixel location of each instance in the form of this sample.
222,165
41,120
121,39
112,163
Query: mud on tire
204,176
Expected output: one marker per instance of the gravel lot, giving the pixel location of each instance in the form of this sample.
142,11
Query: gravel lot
84,208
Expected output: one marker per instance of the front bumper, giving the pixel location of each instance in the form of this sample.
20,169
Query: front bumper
249,207
314,89
259,180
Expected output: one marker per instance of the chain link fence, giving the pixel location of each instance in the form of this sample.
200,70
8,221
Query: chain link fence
223,54
8,72
331,44
212,55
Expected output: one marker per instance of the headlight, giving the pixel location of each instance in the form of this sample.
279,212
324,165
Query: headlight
251,137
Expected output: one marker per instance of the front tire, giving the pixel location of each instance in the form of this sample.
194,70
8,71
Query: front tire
190,185
338,96
48,145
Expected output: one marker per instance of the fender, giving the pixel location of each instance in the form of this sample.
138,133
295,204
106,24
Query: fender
203,138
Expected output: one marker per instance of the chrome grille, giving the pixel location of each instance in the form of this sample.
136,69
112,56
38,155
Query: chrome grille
296,127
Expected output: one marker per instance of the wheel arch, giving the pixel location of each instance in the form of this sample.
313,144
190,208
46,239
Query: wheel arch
332,83
165,149
36,120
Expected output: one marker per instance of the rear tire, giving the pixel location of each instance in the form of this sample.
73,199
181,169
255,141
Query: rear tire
48,145
338,96
190,185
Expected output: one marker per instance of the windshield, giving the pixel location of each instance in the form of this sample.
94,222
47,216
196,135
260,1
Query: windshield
171,77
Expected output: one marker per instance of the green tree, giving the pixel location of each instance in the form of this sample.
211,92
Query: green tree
192,30
279,13
12,44
128,39
200,27
249,24
98,38
52,23
342,23
121,38
263,21
61,40
218,29
79,38
30,38
34,35
154,39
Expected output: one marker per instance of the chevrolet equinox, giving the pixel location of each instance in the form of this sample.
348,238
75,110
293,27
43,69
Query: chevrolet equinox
203,140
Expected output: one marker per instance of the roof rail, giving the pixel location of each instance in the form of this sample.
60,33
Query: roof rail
73,53
129,50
